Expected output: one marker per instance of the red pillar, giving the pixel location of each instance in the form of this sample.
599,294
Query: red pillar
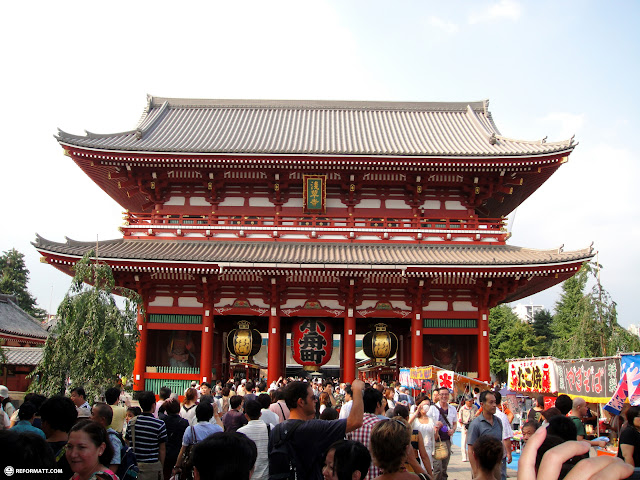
417,345
274,348
416,339
483,345
139,365
206,347
349,346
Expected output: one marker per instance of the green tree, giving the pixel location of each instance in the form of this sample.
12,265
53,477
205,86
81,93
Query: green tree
570,311
542,322
509,338
93,340
586,324
14,277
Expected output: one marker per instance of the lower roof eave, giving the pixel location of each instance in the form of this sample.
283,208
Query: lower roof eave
203,267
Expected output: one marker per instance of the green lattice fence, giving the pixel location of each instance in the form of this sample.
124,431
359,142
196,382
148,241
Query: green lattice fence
450,323
177,386
171,318
187,370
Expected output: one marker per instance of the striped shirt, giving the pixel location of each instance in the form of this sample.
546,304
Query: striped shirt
150,433
257,431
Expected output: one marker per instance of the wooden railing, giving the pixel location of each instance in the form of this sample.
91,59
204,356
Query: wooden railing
313,226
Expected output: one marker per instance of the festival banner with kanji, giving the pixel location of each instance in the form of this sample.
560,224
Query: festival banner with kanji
445,379
534,376
594,380
629,385
421,373
314,193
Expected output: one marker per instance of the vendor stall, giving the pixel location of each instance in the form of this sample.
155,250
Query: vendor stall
426,378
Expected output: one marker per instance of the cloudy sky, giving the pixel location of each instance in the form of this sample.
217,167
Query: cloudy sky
549,68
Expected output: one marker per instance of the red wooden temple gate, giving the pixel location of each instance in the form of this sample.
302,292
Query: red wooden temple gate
355,213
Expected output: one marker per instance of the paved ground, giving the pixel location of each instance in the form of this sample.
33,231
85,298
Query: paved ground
462,471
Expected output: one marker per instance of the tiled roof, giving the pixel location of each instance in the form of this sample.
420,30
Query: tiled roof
23,355
15,321
313,255
285,127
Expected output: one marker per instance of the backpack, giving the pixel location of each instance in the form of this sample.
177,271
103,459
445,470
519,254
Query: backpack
282,462
128,468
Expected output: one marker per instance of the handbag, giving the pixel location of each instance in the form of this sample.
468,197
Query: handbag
441,450
187,458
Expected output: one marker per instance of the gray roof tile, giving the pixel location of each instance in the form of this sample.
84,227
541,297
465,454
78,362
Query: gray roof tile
15,321
432,129
23,355
365,255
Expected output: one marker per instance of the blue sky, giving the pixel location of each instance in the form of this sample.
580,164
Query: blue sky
548,68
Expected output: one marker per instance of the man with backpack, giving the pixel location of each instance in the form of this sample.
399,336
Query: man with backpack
124,462
297,446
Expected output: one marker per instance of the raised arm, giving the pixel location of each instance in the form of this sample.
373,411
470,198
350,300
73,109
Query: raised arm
356,415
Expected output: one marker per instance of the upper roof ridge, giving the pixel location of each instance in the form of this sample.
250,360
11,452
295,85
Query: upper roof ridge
478,106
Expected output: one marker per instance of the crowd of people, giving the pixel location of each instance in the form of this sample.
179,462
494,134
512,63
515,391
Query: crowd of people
297,429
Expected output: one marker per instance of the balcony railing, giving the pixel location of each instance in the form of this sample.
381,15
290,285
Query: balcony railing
313,226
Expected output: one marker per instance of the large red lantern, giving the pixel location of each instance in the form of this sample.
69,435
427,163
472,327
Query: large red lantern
312,343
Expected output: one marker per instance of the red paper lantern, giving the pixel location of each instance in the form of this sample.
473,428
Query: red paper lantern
312,343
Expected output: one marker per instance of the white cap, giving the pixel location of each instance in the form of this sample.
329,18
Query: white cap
4,391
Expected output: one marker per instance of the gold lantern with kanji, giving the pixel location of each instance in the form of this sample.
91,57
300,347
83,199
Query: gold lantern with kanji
243,342
380,345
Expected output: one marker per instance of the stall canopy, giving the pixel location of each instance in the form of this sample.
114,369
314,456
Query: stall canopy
594,379
427,377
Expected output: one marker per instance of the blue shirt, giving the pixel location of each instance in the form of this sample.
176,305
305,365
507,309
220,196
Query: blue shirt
117,446
24,426
202,430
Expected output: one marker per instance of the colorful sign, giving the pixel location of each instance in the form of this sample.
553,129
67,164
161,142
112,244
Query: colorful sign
420,373
533,376
422,380
445,379
628,387
314,193
593,380
312,343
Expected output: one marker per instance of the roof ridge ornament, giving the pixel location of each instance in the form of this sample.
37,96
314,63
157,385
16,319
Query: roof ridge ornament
150,120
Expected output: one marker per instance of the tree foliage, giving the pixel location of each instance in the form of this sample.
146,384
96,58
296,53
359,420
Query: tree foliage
542,322
509,338
14,277
586,323
93,340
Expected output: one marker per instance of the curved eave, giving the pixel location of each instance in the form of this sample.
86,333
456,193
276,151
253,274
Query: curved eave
343,258
562,149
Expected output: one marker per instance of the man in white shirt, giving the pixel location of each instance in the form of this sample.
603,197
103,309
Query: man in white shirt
267,416
348,402
257,431
445,418
507,434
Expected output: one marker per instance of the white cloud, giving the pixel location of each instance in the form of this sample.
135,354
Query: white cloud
504,9
563,124
444,25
